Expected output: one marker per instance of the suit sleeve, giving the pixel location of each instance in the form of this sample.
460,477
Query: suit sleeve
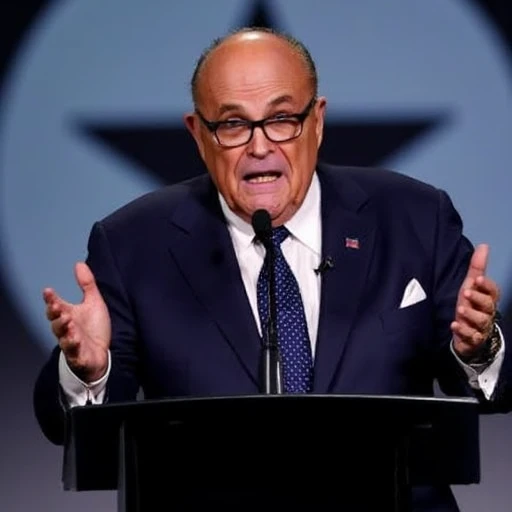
453,253
123,381
49,401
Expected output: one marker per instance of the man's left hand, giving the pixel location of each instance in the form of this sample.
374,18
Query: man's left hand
476,307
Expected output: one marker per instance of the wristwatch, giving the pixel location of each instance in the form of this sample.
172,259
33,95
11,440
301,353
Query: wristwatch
485,356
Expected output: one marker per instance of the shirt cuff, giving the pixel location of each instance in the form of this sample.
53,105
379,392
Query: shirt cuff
78,392
484,377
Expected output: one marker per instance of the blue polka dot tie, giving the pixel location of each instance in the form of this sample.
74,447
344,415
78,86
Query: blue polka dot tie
291,326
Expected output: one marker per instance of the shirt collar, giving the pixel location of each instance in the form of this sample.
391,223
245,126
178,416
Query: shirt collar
305,225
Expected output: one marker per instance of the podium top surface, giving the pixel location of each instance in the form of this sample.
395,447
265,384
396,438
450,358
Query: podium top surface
415,406
344,411
94,431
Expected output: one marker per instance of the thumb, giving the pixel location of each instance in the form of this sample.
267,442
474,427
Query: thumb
478,263
86,280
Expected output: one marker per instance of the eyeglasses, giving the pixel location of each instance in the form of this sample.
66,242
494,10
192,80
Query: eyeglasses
278,128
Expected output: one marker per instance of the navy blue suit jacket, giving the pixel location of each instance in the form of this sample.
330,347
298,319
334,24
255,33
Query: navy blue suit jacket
182,324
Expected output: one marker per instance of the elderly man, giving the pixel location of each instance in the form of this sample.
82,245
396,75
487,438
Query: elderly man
377,289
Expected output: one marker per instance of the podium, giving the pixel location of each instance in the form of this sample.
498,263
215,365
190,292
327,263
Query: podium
269,452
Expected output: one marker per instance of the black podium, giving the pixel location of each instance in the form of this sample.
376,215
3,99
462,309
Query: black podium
270,452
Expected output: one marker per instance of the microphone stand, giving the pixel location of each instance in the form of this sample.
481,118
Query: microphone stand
270,360
270,364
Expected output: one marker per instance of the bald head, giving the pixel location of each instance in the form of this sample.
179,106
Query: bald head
244,45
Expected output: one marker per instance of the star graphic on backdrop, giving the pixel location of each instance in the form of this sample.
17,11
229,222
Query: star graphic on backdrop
151,144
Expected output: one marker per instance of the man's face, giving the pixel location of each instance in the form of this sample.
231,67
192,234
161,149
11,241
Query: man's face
251,77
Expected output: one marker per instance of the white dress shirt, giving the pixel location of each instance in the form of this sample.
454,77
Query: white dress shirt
302,250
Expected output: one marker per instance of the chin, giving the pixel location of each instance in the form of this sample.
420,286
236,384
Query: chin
276,210
273,210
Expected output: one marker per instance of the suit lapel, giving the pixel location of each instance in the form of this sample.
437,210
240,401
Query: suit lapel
202,248
347,237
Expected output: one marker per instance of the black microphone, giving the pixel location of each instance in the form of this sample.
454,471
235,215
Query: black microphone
270,364
326,264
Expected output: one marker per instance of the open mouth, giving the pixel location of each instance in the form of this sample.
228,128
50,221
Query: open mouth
262,177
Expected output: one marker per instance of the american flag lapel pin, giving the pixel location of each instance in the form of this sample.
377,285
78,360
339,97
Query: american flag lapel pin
352,243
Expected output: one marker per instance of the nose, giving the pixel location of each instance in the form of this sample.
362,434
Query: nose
259,146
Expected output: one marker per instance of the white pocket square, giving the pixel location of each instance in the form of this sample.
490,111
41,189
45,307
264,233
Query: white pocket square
413,294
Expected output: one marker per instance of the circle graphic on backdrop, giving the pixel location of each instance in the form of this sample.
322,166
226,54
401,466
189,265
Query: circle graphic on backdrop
126,61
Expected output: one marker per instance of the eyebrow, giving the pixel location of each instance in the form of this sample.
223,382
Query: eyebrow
229,107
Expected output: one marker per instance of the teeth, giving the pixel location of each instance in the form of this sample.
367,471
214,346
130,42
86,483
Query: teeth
263,179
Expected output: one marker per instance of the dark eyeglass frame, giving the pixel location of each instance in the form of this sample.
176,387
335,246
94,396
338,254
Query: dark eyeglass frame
213,126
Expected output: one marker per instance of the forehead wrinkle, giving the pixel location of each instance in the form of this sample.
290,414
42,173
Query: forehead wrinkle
230,107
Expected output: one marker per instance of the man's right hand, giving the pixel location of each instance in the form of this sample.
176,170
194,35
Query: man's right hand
83,330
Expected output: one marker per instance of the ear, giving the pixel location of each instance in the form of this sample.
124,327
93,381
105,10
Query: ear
320,106
192,124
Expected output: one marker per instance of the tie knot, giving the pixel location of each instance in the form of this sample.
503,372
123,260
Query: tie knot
279,234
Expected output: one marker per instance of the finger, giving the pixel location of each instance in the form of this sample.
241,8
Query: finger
467,287
476,320
85,280
55,305
49,295
68,340
480,301
467,334
53,311
60,326
478,263
57,308
488,286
